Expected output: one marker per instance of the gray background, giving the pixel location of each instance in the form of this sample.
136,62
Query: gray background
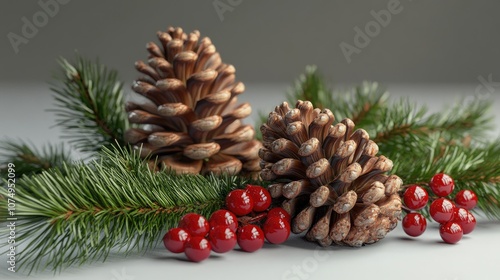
268,41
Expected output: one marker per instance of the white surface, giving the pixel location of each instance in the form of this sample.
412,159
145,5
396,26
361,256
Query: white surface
396,257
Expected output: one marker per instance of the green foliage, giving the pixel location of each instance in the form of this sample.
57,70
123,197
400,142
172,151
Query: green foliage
89,109
310,86
30,160
89,105
471,168
420,144
80,213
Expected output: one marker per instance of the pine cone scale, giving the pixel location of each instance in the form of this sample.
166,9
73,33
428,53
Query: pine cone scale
330,179
190,119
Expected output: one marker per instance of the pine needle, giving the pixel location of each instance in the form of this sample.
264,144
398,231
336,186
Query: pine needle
420,144
30,160
81,213
90,107
471,168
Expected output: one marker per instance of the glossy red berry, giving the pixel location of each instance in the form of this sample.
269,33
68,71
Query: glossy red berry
260,196
222,239
223,218
239,202
276,229
442,210
194,224
175,240
465,219
280,212
414,224
451,232
197,249
466,199
415,197
442,184
250,238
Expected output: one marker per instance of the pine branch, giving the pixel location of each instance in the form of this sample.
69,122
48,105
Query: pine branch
78,214
361,104
28,159
358,103
403,118
461,120
369,107
471,168
90,105
420,144
310,86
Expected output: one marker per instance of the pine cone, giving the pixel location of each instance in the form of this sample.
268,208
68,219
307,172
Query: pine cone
328,177
189,120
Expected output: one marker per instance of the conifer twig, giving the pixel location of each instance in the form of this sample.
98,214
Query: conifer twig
471,168
30,160
420,144
80,213
89,105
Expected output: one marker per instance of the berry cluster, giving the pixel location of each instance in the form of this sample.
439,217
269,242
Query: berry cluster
453,216
247,221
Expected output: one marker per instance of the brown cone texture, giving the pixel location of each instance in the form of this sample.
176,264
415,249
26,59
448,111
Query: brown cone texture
328,176
189,120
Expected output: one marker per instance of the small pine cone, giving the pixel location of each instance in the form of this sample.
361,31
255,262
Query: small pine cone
328,176
189,120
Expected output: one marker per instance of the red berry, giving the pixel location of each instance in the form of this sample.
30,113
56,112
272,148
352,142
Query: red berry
222,239
466,199
224,218
451,232
465,219
197,249
250,238
415,197
276,229
194,224
260,196
175,240
414,224
442,184
280,212
239,202
441,210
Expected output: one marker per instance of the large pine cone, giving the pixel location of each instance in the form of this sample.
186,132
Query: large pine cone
189,121
328,177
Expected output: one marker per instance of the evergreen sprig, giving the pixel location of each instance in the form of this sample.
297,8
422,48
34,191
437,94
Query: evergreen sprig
89,105
471,168
419,143
28,159
80,213
370,108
